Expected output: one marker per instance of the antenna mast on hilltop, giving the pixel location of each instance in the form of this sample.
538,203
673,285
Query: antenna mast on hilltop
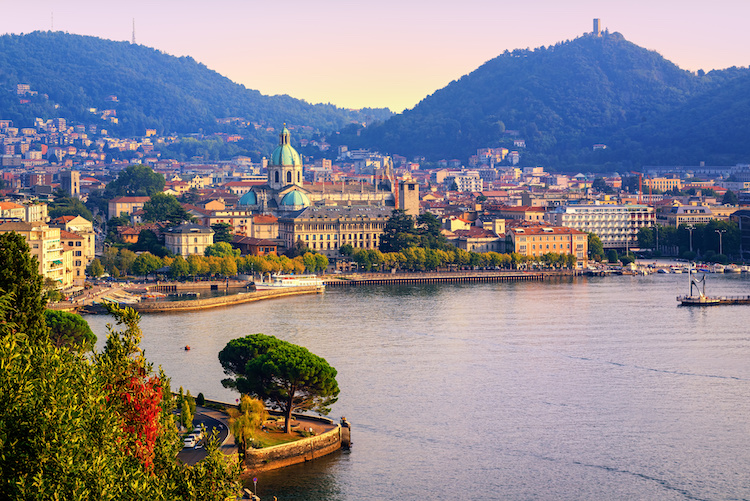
52,21
133,41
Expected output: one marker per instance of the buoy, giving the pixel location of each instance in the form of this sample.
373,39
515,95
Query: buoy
187,347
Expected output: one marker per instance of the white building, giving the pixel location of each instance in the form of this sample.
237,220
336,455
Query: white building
616,225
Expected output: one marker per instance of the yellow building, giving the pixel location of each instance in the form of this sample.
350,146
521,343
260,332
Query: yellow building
187,239
127,205
535,240
663,183
326,229
44,243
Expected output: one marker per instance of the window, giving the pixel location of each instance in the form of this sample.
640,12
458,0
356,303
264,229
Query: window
276,176
289,177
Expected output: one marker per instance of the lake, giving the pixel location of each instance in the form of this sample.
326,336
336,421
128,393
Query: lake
575,389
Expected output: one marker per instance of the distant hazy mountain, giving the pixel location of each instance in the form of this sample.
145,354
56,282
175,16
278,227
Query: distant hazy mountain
153,89
563,99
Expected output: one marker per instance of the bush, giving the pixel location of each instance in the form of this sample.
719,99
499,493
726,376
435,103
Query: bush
200,400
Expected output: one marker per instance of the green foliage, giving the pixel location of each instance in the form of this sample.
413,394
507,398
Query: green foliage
222,232
563,99
149,242
612,256
222,249
136,180
596,247
70,330
146,263
79,428
245,422
730,198
20,278
95,268
165,207
63,205
154,90
282,374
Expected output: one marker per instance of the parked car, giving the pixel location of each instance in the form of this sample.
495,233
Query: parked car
190,441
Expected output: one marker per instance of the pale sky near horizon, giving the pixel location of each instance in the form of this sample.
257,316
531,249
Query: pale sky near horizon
392,53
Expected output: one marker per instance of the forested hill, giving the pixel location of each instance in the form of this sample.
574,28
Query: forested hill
153,89
561,99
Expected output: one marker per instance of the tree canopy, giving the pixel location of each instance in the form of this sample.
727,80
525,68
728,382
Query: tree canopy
20,278
136,180
165,207
69,329
282,374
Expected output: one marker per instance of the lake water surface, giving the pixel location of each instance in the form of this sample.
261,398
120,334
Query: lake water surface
578,389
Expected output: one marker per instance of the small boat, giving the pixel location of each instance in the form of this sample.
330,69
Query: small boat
281,281
187,347
663,270
732,269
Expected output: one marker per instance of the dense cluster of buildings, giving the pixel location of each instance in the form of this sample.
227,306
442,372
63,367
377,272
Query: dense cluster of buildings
270,206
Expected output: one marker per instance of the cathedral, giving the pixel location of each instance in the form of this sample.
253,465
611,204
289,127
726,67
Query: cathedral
284,192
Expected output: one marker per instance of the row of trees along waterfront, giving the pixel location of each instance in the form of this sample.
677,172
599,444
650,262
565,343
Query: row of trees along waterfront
76,426
706,242
221,260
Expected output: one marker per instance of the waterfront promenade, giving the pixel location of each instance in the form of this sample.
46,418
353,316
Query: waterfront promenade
237,292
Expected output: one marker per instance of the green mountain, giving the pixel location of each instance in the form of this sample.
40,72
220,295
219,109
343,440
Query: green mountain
562,100
73,74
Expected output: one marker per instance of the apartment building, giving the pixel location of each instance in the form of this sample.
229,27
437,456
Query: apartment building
616,225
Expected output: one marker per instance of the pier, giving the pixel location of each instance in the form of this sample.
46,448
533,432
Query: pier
435,278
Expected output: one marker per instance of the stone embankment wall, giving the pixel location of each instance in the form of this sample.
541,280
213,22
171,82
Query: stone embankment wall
213,302
306,449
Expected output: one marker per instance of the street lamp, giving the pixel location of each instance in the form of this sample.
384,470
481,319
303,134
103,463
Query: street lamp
720,233
690,229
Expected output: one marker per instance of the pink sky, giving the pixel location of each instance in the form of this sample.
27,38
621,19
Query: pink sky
388,53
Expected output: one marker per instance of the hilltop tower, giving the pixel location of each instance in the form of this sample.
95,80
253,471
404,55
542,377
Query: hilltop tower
597,27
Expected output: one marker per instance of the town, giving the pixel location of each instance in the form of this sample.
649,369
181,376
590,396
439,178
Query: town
334,207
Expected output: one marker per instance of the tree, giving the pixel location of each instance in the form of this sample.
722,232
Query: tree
19,277
70,330
398,233
179,268
596,248
95,269
612,256
136,180
730,198
64,205
146,263
281,374
245,422
149,242
222,249
222,232
165,207
125,261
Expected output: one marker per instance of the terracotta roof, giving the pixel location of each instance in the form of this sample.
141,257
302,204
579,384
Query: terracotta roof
131,199
67,235
265,219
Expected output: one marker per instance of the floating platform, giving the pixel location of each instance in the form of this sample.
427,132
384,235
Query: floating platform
711,301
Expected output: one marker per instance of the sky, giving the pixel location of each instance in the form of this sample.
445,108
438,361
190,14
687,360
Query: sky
385,53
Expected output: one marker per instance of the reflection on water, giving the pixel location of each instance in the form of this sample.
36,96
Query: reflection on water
597,388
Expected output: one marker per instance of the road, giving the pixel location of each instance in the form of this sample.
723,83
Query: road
190,456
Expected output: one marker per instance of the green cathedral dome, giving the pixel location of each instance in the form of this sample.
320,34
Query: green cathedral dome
284,154
295,198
